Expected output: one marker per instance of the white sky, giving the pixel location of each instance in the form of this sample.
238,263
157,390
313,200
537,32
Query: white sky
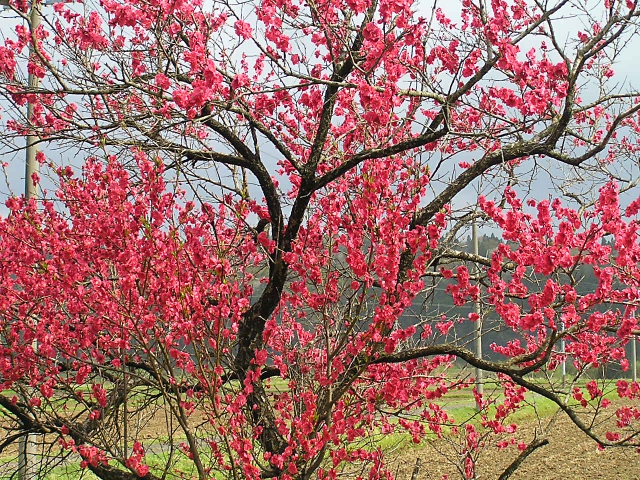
627,69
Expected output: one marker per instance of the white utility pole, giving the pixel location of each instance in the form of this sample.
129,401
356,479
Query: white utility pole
564,361
28,449
476,306
634,343
31,190
27,468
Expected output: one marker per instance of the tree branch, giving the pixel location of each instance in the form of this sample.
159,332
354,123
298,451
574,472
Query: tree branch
532,447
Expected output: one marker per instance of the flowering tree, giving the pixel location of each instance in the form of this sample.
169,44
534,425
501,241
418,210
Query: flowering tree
271,190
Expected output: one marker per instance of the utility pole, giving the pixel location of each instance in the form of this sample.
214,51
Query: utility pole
32,165
563,366
28,449
476,307
27,467
634,343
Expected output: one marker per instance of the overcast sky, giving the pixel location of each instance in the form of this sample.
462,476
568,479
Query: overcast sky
627,69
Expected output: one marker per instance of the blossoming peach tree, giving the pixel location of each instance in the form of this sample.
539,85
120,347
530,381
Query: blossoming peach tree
238,280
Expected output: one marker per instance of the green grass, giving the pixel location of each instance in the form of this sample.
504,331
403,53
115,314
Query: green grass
156,462
70,472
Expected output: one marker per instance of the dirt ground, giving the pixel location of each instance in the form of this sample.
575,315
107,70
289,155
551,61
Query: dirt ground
570,455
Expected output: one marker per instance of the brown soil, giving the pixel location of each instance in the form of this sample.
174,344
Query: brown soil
570,455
